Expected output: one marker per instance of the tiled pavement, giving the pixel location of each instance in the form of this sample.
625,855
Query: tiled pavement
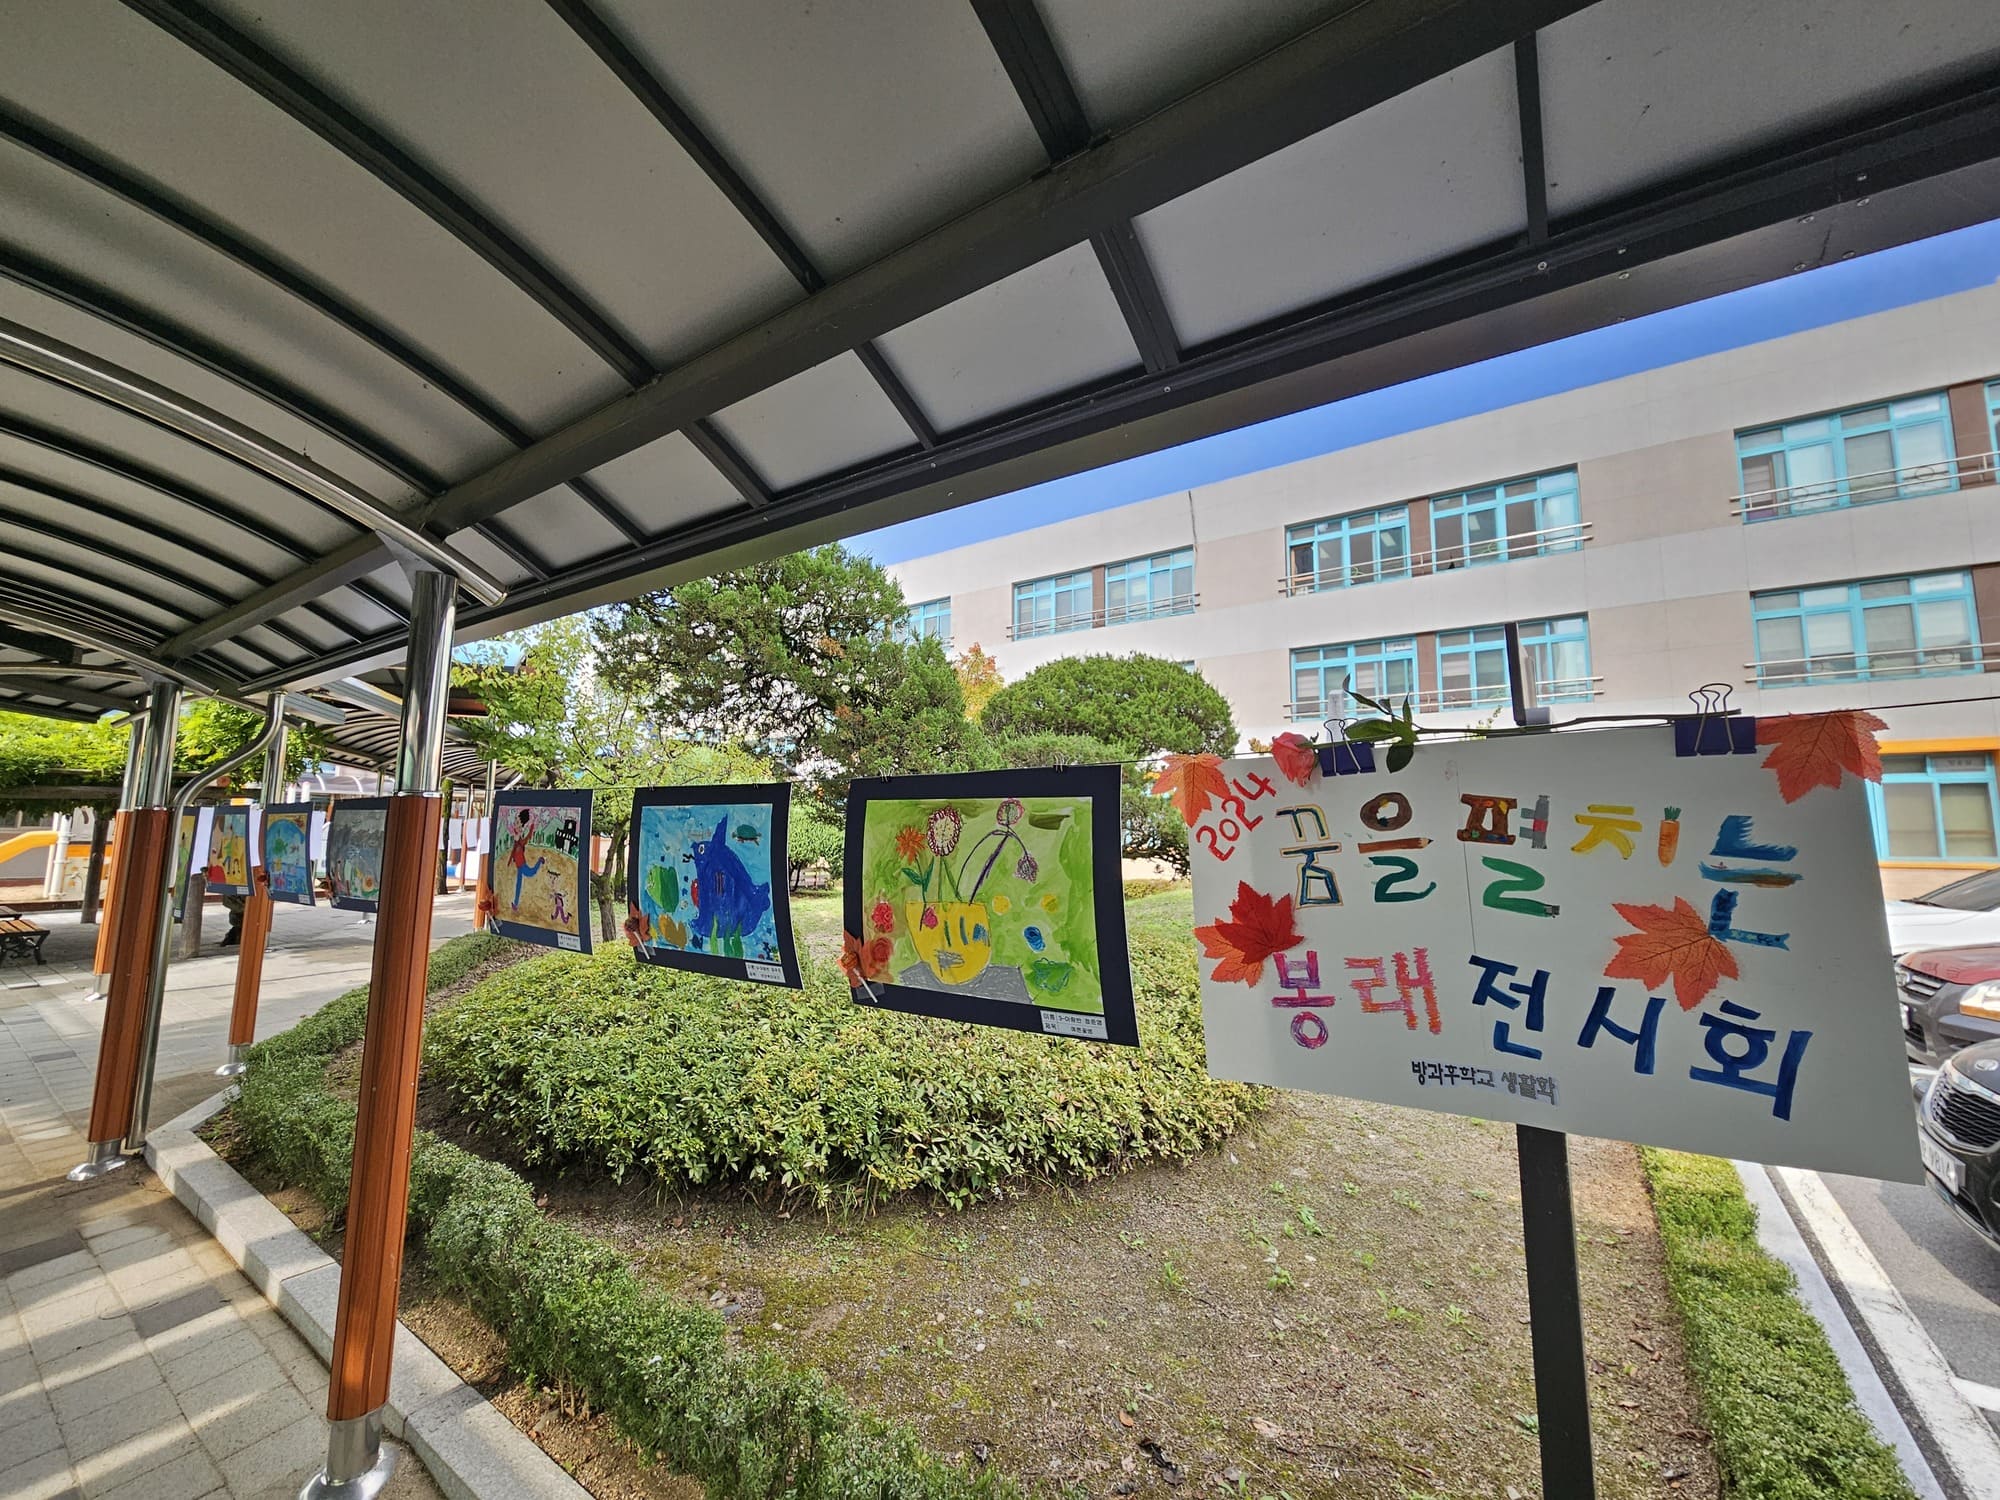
135,1360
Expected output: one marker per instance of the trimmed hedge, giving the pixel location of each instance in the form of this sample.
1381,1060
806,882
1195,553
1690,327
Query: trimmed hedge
1785,1423
611,1065
572,1312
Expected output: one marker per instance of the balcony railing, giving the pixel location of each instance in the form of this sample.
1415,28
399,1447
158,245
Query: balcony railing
1863,489
1874,666
1117,614
1567,538
1455,700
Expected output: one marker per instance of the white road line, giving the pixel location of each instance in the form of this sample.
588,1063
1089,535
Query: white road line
1781,1239
1985,1397
1961,1435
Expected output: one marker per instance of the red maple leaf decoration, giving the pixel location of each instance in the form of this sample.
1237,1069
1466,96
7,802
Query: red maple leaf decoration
864,961
1191,780
1297,760
1673,942
1810,750
1257,928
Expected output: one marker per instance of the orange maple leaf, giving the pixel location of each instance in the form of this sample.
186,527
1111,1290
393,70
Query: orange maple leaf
1297,759
1258,927
1191,780
1810,750
1673,942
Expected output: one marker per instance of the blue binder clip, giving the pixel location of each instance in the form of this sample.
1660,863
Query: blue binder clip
1341,756
1714,729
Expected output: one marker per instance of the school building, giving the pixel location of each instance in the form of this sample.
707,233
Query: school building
1813,521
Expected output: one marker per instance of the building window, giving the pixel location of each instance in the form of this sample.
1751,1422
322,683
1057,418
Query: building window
1861,632
1938,807
1146,587
1522,518
1472,664
1890,451
1048,606
1342,551
1381,669
930,620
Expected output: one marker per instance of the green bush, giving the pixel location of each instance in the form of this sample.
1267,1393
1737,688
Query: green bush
572,1312
611,1065
1785,1423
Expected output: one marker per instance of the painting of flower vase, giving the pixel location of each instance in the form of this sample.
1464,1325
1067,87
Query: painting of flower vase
992,898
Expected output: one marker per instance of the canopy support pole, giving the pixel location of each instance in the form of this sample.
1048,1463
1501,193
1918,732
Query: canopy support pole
121,829
364,1331
145,855
256,928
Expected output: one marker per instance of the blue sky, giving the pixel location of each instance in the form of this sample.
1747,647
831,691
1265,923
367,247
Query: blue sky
1953,262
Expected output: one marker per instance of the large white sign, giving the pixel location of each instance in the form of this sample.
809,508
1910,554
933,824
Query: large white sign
1584,931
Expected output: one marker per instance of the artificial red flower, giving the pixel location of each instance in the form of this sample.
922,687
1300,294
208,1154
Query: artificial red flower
1297,759
864,962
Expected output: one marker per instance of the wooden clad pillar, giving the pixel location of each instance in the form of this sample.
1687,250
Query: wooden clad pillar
250,961
136,898
107,915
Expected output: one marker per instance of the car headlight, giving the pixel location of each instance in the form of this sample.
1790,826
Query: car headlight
1982,1000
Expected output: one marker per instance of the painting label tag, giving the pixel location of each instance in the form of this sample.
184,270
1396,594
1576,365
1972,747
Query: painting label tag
1062,1024
1580,931
767,973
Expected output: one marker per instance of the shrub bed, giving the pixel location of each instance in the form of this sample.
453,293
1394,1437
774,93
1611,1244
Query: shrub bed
614,1066
1786,1426
573,1314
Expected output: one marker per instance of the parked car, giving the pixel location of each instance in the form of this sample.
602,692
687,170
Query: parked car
1960,1136
1957,915
1948,998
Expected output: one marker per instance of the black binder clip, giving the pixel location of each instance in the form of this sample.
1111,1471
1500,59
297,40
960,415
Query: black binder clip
1714,728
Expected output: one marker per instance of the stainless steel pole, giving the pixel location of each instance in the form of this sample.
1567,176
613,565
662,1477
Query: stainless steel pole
127,791
156,991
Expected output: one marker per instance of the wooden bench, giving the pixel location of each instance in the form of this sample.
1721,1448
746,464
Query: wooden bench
21,938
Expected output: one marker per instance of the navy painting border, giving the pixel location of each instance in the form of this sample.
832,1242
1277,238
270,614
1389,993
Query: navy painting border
286,809
525,932
1100,785
778,794
357,804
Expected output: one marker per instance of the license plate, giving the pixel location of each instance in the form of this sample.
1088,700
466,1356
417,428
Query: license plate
1941,1164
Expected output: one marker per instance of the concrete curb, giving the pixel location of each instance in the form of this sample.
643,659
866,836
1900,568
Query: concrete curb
471,1450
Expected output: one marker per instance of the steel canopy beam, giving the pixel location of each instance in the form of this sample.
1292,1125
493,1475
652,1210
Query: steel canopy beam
15,610
1337,70
103,381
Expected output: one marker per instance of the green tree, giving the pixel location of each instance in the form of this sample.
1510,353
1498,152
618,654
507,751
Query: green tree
1149,828
762,655
814,834
211,731
35,751
978,678
906,714
1146,704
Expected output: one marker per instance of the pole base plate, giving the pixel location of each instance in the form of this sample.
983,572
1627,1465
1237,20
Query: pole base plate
365,1486
104,1159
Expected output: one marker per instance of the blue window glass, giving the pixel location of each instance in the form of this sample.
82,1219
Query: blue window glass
1472,664
1938,807
1144,588
930,620
1889,451
1529,517
1341,551
1049,606
1382,669
1924,626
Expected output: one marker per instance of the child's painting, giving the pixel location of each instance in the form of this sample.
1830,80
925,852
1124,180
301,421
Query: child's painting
707,881
228,865
354,835
541,869
287,852
993,898
189,856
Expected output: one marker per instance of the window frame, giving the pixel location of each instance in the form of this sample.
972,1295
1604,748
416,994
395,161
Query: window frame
1854,608
1878,805
1154,566
1344,529
1494,500
1054,586
1342,658
924,613
1839,490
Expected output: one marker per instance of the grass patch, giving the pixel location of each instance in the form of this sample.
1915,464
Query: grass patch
608,1065
1785,1423
574,1315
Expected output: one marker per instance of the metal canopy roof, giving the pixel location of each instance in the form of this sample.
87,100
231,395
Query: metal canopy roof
605,293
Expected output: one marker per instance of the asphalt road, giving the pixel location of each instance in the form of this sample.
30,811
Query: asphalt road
1948,1275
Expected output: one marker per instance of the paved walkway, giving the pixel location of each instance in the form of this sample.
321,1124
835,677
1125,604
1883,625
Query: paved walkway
135,1360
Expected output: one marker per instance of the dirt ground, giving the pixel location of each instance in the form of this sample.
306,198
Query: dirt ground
1332,1304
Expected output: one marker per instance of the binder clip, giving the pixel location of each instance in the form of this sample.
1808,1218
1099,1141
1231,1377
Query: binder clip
1339,757
1714,728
